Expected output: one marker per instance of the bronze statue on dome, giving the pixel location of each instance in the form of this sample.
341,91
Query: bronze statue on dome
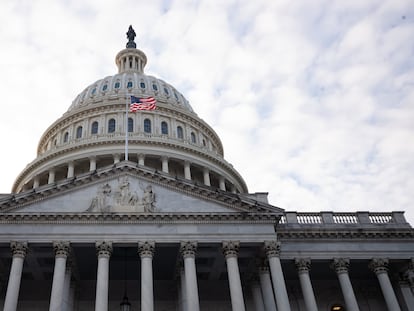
131,36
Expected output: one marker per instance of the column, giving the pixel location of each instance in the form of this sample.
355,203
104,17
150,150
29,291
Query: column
257,296
146,252
341,265
71,169
66,300
272,250
267,290
303,267
36,182
103,250
206,175
117,158
188,250
61,253
230,251
222,183
164,164
183,291
407,294
141,159
19,250
187,170
92,164
380,267
51,178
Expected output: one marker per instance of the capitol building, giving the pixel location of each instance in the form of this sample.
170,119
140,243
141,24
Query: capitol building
139,210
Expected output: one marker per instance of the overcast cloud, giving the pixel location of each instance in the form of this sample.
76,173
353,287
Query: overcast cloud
313,100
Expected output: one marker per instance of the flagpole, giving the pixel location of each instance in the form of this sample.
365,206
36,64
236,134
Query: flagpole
126,128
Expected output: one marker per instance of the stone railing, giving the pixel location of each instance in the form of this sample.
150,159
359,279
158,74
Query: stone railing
355,220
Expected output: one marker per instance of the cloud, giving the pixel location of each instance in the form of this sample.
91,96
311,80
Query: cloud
312,100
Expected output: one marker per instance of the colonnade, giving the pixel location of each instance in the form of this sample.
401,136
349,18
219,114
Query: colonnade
268,289
165,168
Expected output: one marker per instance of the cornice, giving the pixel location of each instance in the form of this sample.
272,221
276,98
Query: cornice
137,218
341,234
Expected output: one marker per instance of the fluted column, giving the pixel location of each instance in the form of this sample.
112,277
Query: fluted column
146,252
164,161
187,170
272,249
206,175
61,253
66,300
222,183
183,291
36,182
19,250
380,267
141,159
230,251
188,250
117,158
257,296
51,178
104,251
71,169
267,290
303,267
407,294
341,265
92,163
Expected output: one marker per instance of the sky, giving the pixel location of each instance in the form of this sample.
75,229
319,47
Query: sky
313,100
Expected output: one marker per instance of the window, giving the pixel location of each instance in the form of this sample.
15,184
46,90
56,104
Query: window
155,87
105,87
94,91
164,128
142,85
129,84
204,143
166,91
175,95
147,126
94,128
180,134
130,125
193,138
111,126
117,85
66,137
79,132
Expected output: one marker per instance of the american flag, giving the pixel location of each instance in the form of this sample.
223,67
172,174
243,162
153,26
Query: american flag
137,103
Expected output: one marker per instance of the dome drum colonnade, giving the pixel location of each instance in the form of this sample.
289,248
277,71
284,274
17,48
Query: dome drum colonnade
91,134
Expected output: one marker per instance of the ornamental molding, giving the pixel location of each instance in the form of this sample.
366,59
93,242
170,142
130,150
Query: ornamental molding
348,234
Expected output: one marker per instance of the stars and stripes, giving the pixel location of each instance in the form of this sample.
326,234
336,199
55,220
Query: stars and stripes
138,103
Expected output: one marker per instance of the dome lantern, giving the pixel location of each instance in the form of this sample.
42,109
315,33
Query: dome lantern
131,59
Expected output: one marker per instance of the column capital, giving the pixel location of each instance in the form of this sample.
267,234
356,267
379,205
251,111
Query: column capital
303,264
188,249
103,249
272,248
61,248
19,249
146,249
231,248
340,265
379,265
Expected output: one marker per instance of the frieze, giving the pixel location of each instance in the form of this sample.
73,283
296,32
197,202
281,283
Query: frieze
123,199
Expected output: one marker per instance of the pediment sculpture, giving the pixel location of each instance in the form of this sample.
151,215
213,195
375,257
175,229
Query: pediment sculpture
123,199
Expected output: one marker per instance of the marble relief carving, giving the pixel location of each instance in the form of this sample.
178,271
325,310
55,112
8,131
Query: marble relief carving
123,198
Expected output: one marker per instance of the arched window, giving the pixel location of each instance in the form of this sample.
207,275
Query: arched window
130,125
129,84
204,143
117,85
66,137
111,126
142,85
105,87
193,138
79,132
164,128
94,128
147,126
154,87
180,134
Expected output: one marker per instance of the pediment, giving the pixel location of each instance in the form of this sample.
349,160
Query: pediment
128,189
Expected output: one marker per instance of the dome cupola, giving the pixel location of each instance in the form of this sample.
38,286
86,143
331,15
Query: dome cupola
93,132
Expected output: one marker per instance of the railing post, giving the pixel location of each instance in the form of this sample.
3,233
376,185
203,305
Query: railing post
291,217
398,217
327,217
363,218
